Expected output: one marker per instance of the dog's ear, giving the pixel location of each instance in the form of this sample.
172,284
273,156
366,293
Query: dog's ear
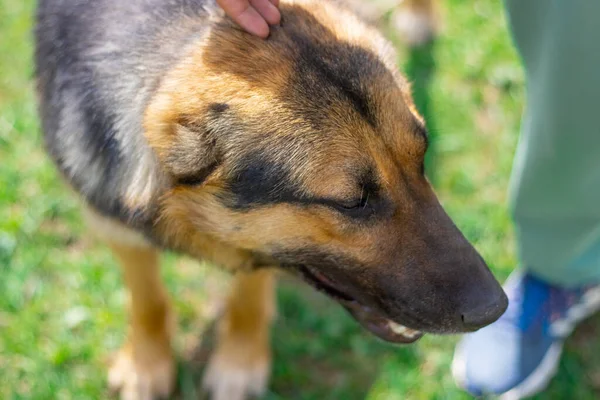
194,153
186,145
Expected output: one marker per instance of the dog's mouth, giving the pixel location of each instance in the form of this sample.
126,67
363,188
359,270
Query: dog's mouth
369,318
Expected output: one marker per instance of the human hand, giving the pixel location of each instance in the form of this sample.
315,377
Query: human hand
254,16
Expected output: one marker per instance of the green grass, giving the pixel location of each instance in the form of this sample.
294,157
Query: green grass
62,303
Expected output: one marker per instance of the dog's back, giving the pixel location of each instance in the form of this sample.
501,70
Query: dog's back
98,63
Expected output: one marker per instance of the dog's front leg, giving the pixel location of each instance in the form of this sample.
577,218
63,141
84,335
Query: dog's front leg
241,364
144,367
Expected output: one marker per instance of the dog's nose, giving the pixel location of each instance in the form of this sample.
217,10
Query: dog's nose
485,312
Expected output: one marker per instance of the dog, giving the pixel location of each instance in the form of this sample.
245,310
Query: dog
302,152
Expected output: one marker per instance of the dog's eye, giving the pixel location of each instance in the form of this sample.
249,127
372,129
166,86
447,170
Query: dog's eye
351,205
354,208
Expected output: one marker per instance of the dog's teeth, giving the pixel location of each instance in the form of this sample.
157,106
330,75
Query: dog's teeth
411,333
402,330
397,328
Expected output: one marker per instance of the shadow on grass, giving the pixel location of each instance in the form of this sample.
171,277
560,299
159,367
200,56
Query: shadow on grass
319,351
420,70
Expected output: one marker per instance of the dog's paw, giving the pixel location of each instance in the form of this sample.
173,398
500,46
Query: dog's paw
414,26
224,379
150,379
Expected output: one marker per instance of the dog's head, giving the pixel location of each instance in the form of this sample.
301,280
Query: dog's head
305,151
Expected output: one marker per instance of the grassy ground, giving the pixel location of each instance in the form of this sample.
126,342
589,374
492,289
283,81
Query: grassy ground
61,301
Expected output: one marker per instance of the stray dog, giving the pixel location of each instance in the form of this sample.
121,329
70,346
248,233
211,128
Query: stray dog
302,152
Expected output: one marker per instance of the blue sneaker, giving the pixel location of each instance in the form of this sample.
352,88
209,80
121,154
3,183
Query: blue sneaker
516,356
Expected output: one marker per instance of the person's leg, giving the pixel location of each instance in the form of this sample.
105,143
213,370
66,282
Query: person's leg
556,177
556,203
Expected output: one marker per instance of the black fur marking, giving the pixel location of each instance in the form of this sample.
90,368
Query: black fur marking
197,177
328,71
421,131
263,182
338,73
218,107
368,182
101,137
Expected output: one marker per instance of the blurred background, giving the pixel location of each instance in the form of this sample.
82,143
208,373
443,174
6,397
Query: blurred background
62,305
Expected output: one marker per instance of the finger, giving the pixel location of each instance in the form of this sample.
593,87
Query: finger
269,12
246,16
275,2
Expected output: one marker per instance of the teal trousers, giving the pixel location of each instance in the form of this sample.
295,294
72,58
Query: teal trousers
555,185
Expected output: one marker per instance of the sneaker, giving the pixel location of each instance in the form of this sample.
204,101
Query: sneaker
516,356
